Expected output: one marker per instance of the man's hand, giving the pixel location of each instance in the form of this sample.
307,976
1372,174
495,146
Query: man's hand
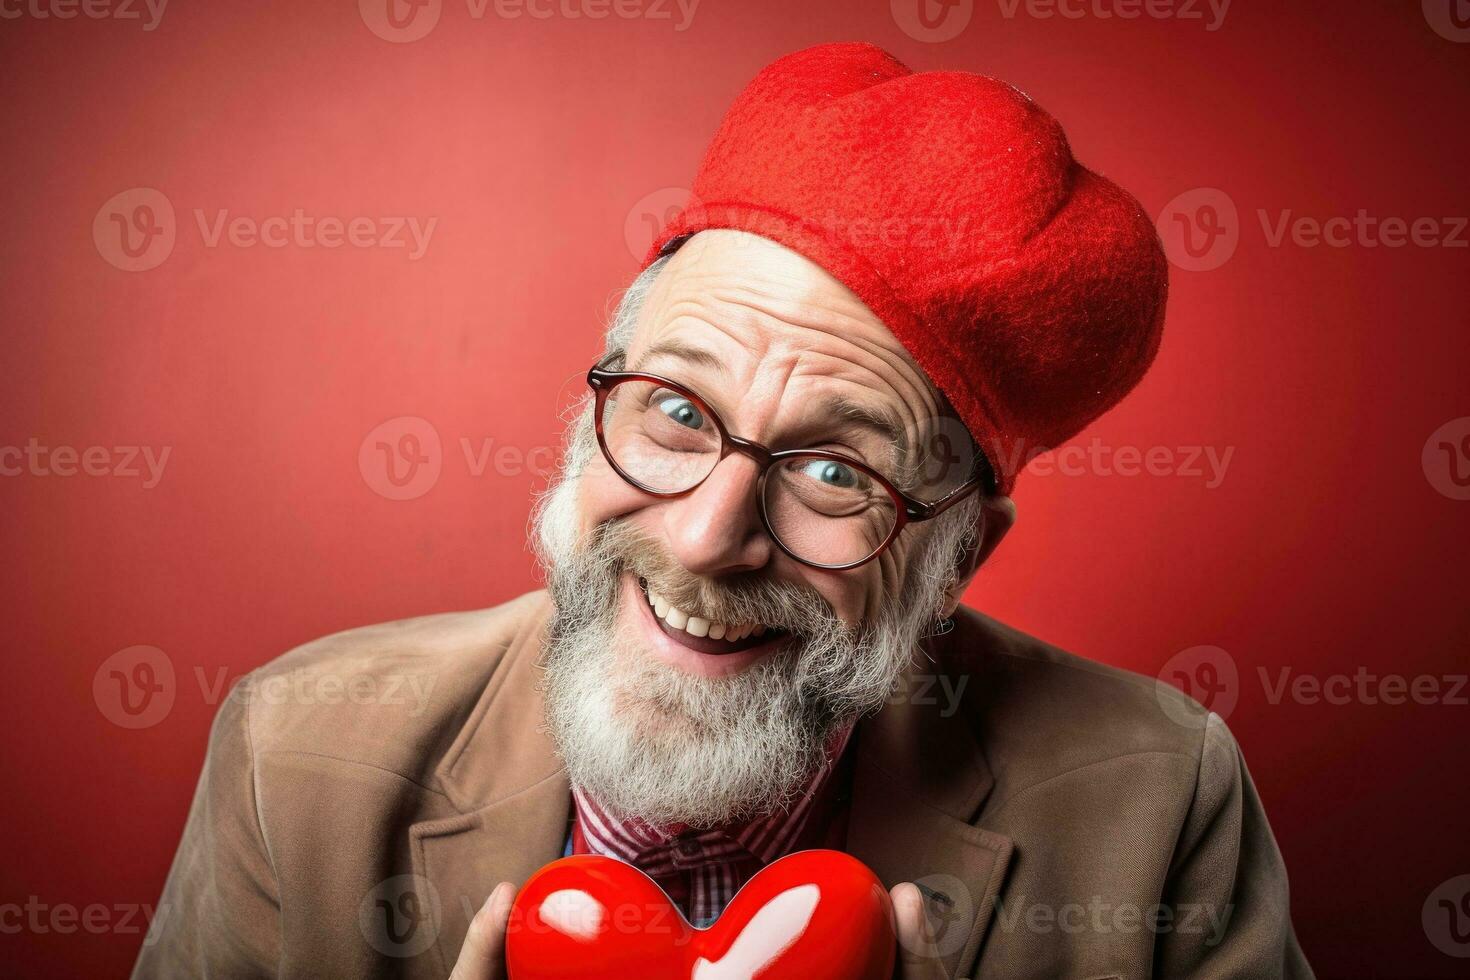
482,957
915,936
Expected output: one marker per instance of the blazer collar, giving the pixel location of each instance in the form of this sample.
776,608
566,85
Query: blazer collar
503,776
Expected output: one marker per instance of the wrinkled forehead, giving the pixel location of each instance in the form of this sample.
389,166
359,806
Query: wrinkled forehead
785,352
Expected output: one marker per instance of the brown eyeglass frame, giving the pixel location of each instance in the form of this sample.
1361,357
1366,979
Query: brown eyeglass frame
907,509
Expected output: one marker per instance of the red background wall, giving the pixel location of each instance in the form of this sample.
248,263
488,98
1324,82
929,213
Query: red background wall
1326,549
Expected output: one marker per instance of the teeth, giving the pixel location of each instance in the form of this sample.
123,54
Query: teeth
698,625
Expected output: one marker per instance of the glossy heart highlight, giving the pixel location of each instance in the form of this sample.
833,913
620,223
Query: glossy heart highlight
813,915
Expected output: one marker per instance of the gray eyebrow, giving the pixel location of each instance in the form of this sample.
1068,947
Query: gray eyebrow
681,351
884,422
879,420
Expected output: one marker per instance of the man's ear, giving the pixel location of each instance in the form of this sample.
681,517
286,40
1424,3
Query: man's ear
999,515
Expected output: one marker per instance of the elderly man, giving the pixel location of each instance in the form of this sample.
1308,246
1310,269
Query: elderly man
888,290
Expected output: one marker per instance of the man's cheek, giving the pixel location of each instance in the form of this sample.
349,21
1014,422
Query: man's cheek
854,595
883,578
602,495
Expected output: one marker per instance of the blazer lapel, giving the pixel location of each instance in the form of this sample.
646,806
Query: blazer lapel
919,778
505,778
466,856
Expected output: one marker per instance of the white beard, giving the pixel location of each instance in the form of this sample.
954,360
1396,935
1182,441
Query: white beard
646,739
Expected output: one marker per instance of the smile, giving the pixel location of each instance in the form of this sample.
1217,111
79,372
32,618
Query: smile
702,634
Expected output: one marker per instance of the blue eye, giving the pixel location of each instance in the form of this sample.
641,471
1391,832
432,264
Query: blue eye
681,410
832,473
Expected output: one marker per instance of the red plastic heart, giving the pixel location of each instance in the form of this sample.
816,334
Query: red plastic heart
813,915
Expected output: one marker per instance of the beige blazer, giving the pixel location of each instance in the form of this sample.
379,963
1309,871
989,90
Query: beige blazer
363,793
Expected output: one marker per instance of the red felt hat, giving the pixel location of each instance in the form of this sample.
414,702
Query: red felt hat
1029,289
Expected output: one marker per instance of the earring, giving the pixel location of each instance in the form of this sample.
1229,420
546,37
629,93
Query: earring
944,625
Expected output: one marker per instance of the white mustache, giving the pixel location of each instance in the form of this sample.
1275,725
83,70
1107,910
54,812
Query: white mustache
748,598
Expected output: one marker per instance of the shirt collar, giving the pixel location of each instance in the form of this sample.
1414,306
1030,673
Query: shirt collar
657,849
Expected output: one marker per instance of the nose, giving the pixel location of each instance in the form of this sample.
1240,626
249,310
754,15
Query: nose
717,530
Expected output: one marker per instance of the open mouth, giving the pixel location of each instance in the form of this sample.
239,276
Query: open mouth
704,635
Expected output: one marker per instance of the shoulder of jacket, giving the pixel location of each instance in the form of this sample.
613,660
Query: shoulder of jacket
392,695
1041,711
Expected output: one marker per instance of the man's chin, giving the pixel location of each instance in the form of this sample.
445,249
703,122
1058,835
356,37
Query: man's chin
652,721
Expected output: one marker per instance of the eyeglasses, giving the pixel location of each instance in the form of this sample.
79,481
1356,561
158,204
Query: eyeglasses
824,509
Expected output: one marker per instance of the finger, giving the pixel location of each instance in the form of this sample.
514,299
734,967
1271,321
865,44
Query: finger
915,935
482,957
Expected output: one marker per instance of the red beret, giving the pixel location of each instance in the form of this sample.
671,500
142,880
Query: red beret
1029,289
